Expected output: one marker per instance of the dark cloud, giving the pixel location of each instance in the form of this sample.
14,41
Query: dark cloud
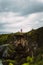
25,7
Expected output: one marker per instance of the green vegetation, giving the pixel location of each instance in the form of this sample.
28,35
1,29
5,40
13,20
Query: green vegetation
10,63
22,48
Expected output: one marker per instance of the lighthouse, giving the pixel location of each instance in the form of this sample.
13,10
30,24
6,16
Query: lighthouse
21,30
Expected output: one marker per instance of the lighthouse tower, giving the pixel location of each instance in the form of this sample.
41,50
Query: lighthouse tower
21,30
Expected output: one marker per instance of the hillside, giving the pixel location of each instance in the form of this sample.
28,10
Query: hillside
20,47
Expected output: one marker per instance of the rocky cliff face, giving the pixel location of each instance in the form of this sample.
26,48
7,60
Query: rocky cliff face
18,46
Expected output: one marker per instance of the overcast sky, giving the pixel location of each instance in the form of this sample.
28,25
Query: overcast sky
17,14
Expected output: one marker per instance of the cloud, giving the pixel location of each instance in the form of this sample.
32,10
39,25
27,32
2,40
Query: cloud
41,1
10,17
24,7
13,22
